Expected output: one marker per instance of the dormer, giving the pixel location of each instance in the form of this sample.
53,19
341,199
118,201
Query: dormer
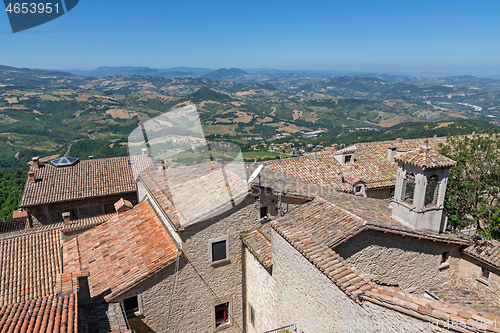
421,181
346,156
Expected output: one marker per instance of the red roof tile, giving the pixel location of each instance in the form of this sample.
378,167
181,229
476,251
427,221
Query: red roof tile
259,243
487,250
371,165
425,158
463,297
86,179
431,310
192,193
29,266
122,252
86,223
44,314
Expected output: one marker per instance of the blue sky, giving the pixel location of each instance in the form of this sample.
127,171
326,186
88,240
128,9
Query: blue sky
425,37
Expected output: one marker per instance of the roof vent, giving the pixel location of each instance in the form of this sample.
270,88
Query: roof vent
64,161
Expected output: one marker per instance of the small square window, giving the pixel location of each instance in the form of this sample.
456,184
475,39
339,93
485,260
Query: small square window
109,208
131,305
485,274
358,188
347,158
445,256
221,314
252,316
263,212
219,250
74,214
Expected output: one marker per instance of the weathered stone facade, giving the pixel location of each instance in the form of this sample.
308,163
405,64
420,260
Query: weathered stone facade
407,262
201,284
52,213
306,297
468,276
259,292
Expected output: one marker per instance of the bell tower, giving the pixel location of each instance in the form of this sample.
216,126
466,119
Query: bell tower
421,181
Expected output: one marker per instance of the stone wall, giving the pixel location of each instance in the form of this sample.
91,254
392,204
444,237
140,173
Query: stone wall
306,297
407,262
259,294
469,270
384,193
52,213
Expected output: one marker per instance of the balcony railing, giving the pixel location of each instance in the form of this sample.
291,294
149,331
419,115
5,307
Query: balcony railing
289,328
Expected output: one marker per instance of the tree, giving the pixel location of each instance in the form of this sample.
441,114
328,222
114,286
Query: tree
473,191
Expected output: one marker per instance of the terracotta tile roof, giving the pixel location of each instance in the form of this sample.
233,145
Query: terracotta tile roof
371,165
425,158
11,225
377,216
323,258
463,297
122,252
29,231
433,311
44,314
259,243
86,223
29,266
192,193
486,250
86,179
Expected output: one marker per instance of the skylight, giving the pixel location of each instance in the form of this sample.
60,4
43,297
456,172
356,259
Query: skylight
64,161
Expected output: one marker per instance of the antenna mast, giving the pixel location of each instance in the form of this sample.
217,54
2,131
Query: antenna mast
280,208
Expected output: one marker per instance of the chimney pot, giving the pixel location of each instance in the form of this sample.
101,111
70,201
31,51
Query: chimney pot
123,205
91,157
391,153
31,177
83,290
66,217
36,162
145,152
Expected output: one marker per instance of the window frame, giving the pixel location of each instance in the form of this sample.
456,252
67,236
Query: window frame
228,322
446,262
210,249
484,275
252,314
139,310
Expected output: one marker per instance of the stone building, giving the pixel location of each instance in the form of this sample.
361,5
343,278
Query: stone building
343,263
82,188
209,295
365,169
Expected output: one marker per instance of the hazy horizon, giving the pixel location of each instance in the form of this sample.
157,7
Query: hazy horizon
424,38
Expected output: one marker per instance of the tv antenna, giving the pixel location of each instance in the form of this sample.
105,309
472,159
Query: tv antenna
280,208
256,173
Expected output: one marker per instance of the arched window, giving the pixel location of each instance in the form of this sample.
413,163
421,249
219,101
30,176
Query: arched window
408,189
432,191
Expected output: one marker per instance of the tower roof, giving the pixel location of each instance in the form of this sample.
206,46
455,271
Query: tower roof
425,158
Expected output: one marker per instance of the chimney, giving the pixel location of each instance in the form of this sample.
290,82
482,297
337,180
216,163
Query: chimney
145,152
83,290
36,162
31,177
123,205
66,217
391,153
91,157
